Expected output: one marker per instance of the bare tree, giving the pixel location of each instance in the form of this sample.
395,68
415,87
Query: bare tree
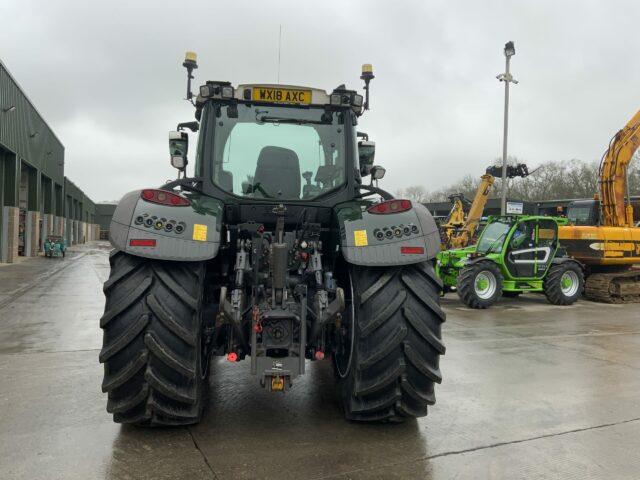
414,192
552,180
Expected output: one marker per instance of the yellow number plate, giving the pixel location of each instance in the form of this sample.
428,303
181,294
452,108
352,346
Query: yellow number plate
282,95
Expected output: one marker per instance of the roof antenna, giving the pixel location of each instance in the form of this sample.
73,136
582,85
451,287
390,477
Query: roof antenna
279,49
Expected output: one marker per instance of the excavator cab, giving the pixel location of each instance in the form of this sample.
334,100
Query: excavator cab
584,212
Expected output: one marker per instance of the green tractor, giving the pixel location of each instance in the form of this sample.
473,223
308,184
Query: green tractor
278,252
513,255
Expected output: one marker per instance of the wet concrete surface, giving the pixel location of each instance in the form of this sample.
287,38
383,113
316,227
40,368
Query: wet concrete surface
530,391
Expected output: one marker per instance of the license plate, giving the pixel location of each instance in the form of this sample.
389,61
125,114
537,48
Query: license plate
282,95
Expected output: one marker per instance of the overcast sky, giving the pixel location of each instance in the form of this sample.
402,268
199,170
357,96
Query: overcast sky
107,76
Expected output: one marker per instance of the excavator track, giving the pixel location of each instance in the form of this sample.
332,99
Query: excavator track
621,287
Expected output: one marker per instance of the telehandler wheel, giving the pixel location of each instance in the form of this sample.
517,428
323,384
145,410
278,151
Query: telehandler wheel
152,342
480,284
564,283
387,361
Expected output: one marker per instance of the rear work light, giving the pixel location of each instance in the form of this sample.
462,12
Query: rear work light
412,250
390,206
164,197
142,242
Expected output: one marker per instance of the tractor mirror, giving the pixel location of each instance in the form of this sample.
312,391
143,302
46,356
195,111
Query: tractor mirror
366,152
377,172
178,148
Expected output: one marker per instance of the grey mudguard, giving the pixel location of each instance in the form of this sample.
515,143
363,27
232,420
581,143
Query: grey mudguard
199,239
360,231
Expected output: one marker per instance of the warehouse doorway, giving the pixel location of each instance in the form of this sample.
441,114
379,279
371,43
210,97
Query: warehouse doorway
28,228
23,202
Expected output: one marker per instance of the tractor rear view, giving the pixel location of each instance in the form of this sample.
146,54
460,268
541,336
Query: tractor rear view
275,252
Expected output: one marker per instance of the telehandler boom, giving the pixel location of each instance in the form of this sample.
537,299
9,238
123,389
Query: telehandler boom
458,230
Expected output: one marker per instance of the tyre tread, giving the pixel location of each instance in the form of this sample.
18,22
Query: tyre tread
151,340
398,344
552,286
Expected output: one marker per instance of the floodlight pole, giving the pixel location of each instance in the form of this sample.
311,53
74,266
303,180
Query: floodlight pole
507,78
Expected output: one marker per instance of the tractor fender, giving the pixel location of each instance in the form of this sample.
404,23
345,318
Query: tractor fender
136,219
365,241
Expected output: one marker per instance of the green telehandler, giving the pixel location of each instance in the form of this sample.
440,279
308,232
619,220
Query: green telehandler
513,255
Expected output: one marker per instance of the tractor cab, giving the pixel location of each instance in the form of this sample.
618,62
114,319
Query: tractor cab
278,144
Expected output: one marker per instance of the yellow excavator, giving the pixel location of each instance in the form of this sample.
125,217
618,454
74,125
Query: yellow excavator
458,230
601,232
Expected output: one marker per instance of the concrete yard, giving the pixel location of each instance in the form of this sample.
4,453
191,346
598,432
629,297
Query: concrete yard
530,391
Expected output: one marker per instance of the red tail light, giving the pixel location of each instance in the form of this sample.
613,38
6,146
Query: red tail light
390,206
412,250
142,242
164,197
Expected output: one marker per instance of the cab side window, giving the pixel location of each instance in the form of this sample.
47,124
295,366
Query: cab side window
523,236
547,233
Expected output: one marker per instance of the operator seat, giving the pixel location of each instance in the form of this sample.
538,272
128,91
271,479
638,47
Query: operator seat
277,173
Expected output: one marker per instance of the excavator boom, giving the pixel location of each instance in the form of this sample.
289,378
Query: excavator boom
613,175
608,243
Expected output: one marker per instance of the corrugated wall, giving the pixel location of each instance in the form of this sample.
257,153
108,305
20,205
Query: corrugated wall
26,138
80,201
25,132
104,212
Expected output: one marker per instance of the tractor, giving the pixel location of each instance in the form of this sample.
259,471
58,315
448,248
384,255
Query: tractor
276,251
513,255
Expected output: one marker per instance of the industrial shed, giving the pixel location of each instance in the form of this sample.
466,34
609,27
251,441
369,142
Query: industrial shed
36,198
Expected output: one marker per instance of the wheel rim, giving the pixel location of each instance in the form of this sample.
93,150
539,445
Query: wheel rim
485,285
347,339
569,283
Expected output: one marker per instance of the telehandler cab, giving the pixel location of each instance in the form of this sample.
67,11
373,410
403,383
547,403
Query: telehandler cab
273,252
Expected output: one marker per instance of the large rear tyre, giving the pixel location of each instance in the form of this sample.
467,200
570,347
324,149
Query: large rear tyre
564,283
480,284
388,359
152,343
